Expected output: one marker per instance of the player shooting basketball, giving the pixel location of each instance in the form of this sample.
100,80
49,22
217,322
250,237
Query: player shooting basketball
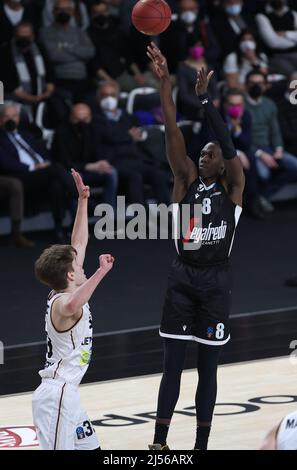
197,302
60,421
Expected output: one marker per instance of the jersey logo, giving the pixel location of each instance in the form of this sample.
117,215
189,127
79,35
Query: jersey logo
210,332
197,195
184,327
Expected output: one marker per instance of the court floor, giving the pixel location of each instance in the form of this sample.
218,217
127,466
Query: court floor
252,397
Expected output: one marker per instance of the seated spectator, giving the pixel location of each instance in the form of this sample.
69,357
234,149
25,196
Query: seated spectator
186,79
230,24
288,116
69,50
188,27
74,146
25,69
247,58
276,167
278,30
11,191
283,436
120,137
12,12
22,157
240,124
80,18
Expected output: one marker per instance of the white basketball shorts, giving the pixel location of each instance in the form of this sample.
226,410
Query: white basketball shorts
61,422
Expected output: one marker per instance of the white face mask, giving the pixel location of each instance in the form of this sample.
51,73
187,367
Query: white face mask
188,17
233,10
109,103
247,46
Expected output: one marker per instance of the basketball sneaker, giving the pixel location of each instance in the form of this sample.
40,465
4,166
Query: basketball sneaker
158,447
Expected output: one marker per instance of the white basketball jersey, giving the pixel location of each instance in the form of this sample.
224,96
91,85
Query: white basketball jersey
68,353
287,433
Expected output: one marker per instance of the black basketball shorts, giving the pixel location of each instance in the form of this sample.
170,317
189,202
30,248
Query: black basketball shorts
197,304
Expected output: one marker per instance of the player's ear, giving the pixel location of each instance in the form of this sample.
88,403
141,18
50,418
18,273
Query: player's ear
70,276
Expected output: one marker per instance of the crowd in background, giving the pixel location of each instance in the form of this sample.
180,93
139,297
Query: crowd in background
69,68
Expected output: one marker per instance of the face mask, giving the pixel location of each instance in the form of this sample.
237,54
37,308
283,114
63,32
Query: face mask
255,91
196,52
100,21
235,111
63,17
81,126
233,10
23,43
10,125
109,103
188,17
247,46
277,4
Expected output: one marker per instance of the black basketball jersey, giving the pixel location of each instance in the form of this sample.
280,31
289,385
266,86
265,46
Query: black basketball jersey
208,237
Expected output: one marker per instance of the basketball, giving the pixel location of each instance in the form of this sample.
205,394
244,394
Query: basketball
151,17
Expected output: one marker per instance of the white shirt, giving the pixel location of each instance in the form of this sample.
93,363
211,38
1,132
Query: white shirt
24,156
14,16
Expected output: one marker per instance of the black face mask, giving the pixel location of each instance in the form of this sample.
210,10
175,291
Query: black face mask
101,21
81,126
255,91
23,43
277,4
10,125
63,17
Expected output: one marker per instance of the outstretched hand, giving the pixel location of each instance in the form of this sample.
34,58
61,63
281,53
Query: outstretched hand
158,60
82,189
203,80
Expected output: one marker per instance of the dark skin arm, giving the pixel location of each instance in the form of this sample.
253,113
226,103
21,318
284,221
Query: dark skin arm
185,171
234,180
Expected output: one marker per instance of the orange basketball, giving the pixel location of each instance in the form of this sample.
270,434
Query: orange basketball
151,17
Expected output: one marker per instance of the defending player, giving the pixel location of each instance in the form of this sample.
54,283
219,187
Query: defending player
198,296
60,421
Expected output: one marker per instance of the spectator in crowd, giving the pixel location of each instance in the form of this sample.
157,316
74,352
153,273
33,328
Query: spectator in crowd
25,69
240,124
120,136
79,19
74,146
276,167
189,26
12,12
113,58
229,25
277,27
246,58
283,436
287,108
186,78
22,157
69,49
11,191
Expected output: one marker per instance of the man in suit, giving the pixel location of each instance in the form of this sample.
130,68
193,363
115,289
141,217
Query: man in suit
21,157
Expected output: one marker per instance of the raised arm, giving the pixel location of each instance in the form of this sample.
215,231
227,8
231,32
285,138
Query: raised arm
184,169
80,232
234,172
70,305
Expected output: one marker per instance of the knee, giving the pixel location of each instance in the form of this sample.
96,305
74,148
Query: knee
16,187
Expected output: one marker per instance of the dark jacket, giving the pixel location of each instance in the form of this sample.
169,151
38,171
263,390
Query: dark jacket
74,148
116,140
8,72
176,41
287,114
9,159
